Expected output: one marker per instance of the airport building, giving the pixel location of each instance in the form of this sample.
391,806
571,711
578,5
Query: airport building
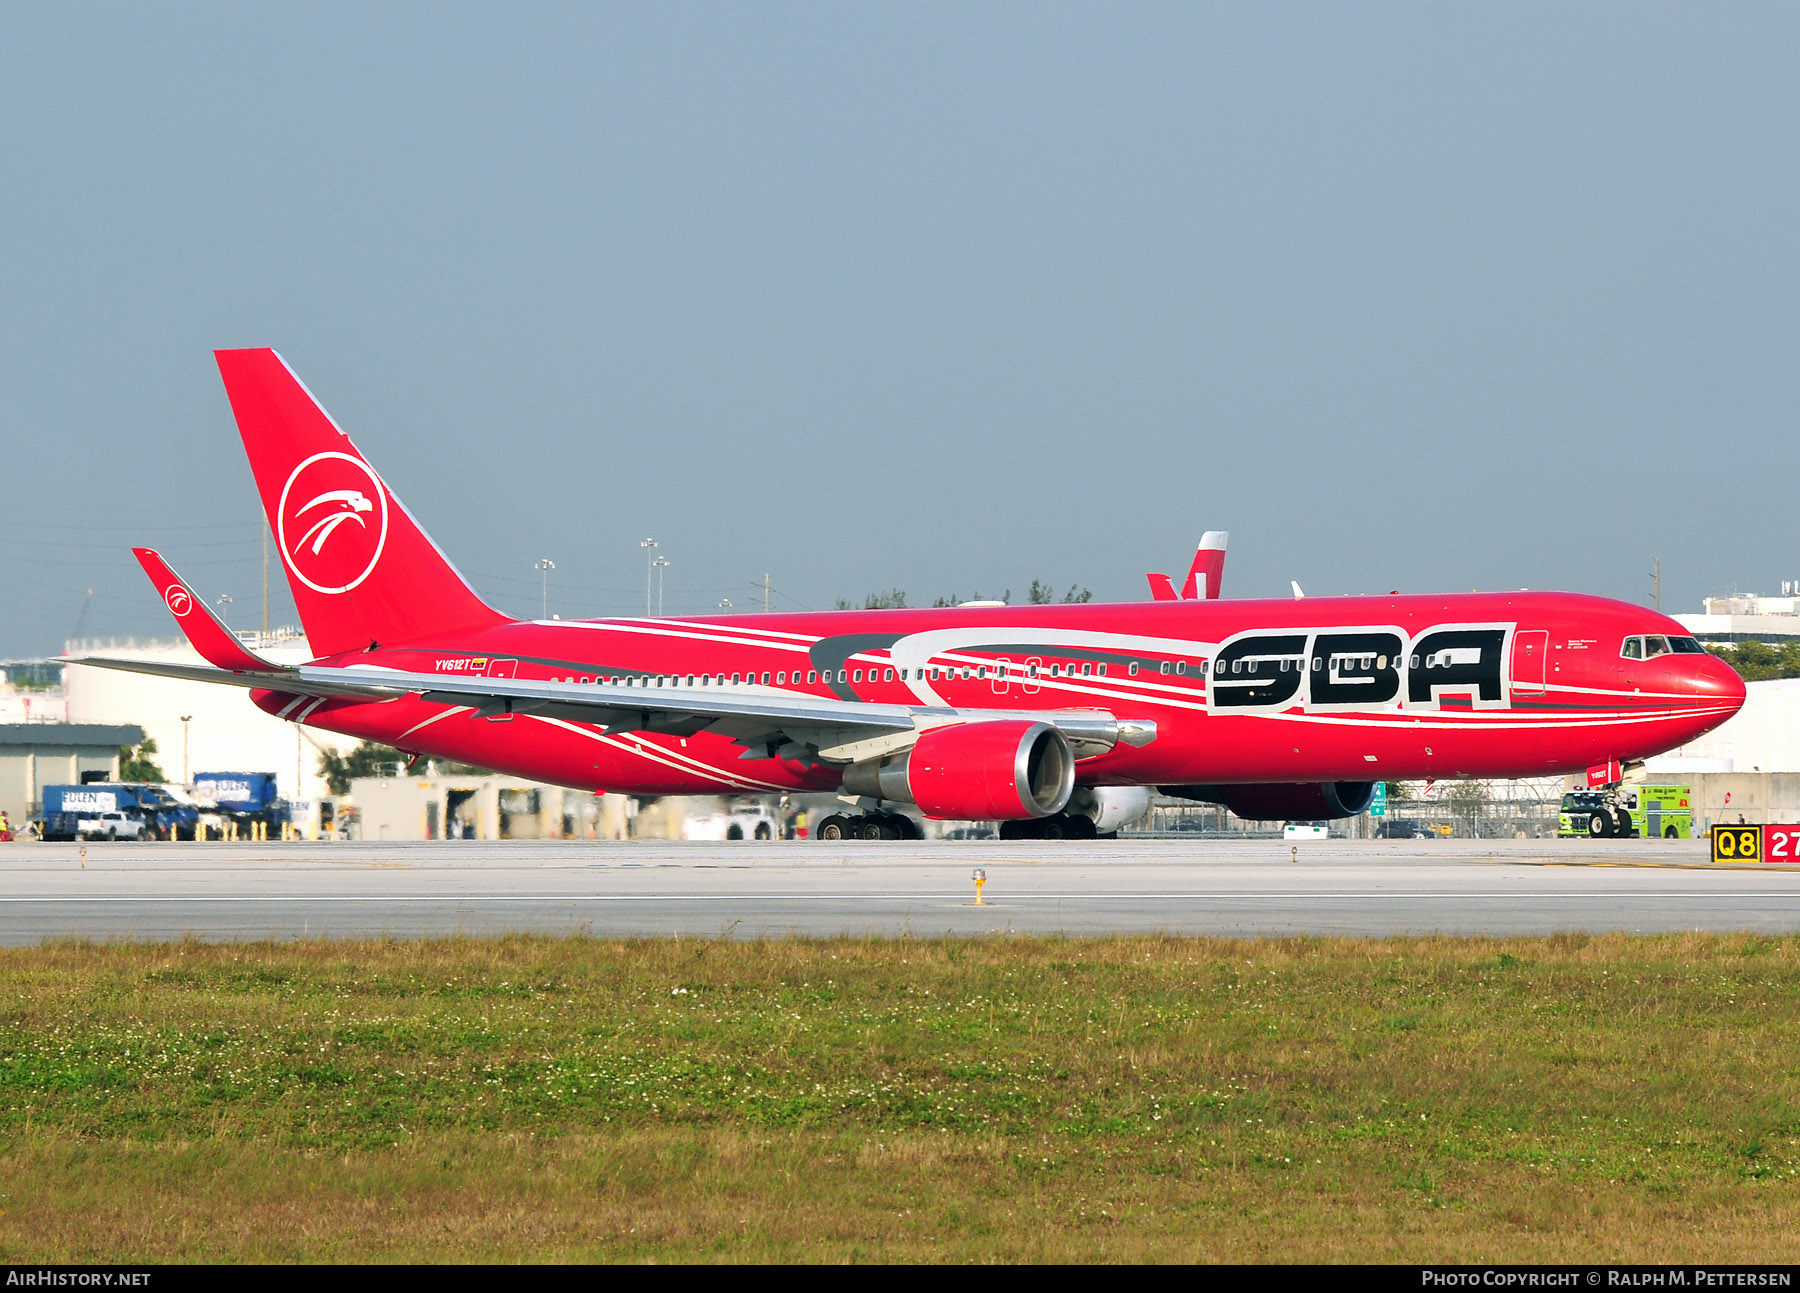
35,755
1745,618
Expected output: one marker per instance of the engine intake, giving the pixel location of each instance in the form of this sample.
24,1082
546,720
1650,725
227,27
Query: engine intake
1284,801
1003,770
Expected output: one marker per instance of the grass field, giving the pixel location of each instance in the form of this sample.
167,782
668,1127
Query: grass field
1569,1099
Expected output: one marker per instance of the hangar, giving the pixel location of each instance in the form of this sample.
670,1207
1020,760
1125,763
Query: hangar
34,755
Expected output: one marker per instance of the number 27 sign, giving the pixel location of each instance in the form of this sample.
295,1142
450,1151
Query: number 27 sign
1756,844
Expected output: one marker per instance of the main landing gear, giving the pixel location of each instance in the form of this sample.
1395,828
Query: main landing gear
868,826
1062,826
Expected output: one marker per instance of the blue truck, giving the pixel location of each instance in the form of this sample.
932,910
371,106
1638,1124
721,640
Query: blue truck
163,816
244,797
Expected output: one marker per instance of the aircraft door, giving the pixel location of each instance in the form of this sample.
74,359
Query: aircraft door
1529,649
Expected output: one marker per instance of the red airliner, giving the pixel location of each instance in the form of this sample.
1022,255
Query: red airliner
1054,720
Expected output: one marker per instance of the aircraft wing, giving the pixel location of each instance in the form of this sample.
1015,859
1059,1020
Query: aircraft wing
839,730
272,676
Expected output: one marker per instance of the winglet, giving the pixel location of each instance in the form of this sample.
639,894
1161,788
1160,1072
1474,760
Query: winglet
1161,589
217,644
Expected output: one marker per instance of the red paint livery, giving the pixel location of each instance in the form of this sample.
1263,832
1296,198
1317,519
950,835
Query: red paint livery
945,708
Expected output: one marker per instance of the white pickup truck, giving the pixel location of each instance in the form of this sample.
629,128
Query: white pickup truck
110,826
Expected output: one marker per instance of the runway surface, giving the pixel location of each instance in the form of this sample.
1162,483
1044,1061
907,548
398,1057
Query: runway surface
752,889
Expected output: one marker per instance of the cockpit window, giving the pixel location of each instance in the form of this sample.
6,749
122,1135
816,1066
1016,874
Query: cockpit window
1650,646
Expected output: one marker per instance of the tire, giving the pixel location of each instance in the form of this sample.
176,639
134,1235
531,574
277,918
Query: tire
1600,826
763,832
734,832
1626,830
1016,830
1081,828
1053,828
908,828
112,836
1669,833
833,828
864,828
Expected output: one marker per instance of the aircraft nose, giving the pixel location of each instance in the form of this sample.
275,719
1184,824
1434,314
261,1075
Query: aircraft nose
1716,681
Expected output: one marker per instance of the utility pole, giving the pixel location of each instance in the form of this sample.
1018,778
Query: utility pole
265,546
184,748
545,565
649,546
661,564
1656,582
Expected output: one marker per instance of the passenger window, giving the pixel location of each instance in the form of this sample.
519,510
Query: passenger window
1634,648
859,675
1181,667
1415,662
1131,669
1101,671
843,676
735,680
1163,667
811,675
889,675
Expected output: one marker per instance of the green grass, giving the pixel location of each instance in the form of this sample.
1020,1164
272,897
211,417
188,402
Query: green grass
1407,1100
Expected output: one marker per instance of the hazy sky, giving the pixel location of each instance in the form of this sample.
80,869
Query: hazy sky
945,298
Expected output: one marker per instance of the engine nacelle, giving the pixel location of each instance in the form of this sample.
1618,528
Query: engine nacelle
1110,806
1003,770
1285,801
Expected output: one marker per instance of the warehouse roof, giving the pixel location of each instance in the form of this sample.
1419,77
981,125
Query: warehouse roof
100,735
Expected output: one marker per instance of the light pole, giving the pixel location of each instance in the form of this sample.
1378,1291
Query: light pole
648,545
184,748
546,565
661,564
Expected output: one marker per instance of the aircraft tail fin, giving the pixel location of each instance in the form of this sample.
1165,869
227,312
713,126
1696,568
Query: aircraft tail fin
1161,589
362,570
1208,570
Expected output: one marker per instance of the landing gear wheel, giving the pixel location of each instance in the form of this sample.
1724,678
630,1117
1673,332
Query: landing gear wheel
1052,828
864,828
1600,825
833,828
898,826
1081,828
1625,828
1016,830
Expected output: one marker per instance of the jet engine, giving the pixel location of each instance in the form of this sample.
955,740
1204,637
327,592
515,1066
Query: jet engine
1005,770
1284,801
1110,806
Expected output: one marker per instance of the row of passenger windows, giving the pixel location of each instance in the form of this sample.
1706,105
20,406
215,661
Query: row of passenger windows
813,676
1652,645
1634,649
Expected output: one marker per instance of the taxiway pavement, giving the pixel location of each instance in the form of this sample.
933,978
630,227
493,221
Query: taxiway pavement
761,889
